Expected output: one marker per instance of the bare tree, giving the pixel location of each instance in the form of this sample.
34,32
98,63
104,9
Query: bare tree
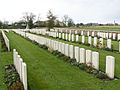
29,18
65,20
39,17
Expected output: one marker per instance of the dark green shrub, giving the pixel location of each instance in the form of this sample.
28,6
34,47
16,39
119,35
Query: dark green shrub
88,69
107,49
87,44
43,46
72,60
34,42
65,58
12,79
60,55
95,72
101,75
56,52
17,86
76,64
82,66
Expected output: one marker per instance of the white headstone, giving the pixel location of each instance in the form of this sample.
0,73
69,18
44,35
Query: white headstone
24,74
110,61
63,36
88,33
88,57
104,35
110,35
83,39
109,43
59,35
71,51
92,34
95,41
57,45
63,48
76,32
77,38
95,60
77,54
69,37
66,49
20,64
60,45
114,36
72,37
107,35
119,46
89,40
118,37
82,55
81,33
66,36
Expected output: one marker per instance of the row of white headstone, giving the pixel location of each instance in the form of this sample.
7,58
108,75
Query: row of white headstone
73,37
20,67
68,37
103,34
95,43
81,55
6,40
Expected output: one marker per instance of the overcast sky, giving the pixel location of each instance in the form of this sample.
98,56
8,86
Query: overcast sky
85,11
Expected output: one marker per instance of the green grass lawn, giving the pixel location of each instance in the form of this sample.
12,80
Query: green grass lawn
5,59
47,72
103,28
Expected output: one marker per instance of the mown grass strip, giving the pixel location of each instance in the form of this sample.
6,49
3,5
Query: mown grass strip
103,54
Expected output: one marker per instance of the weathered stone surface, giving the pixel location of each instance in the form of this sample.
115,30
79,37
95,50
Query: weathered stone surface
83,39
66,50
95,41
63,37
107,35
95,60
72,37
119,46
92,34
82,33
109,43
88,57
24,74
71,51
59,35
114,36
118,37
89,40
77,38
63,48
110,35
77,53
88,33
69,37
110,61
82,55
66,36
